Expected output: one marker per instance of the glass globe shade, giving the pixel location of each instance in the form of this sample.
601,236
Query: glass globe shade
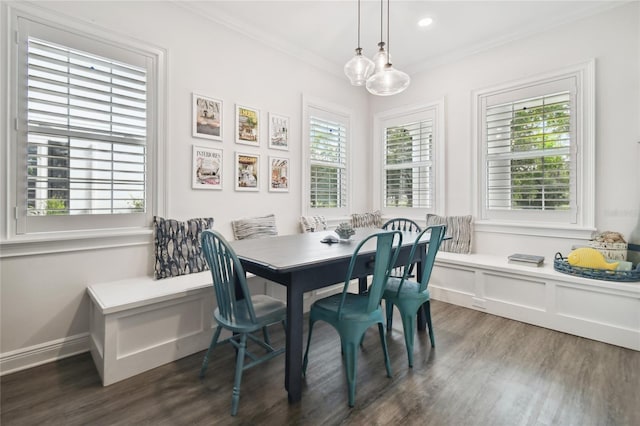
387,82
358,69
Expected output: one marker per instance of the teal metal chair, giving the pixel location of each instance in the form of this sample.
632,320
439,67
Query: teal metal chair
352,314
237,310
409,295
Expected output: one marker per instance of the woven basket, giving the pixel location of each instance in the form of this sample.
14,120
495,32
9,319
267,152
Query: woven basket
560,264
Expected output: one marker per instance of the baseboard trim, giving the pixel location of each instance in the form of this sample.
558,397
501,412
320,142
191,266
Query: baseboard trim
21,359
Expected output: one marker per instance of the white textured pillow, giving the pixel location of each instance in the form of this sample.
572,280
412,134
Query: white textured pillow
367,220
254,227
459,228
313,223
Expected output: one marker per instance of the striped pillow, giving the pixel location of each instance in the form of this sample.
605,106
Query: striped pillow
367,220
254,227
313,223
459,228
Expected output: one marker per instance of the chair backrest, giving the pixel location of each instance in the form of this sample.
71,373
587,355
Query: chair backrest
387,249
228,278
254,227
401,224
437,235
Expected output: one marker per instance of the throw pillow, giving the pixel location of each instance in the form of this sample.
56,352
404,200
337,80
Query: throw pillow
178,249
459,228
367,220
313,223
254,227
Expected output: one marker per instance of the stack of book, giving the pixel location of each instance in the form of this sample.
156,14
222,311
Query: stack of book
526,259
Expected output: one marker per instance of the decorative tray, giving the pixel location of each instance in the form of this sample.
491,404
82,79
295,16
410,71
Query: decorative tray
561,264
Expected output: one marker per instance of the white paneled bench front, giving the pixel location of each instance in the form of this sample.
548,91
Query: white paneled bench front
607,311
141,323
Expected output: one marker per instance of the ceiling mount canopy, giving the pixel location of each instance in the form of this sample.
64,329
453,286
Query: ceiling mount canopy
380,77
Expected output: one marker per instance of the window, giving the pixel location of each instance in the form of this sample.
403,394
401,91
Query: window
535,151
410,140
85,141
327,147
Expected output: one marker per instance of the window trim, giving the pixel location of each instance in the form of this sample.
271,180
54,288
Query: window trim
13,243
378,175
584,74
332,109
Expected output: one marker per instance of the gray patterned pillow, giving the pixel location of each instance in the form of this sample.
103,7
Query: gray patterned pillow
178,248
313,223
367,220
254,227
459,228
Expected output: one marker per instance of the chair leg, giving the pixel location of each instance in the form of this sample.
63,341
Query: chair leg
265,333
214,341
389,307
305,360
408,324
427,311
235,399
383,340
351,366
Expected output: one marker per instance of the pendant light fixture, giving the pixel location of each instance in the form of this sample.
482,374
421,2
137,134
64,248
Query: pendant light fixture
388,80
380,58
359,68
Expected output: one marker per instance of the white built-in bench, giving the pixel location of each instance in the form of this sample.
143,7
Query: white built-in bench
601,310
141,323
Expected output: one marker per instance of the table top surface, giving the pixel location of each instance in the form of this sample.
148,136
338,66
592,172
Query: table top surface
284,253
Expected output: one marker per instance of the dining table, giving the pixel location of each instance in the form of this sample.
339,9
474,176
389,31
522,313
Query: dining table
302,263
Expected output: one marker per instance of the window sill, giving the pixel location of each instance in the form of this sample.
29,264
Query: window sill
535,229
62,243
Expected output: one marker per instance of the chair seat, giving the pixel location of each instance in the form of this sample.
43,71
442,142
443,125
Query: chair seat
267,309
409,290
353,309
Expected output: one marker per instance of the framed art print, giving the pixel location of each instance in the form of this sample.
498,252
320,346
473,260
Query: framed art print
278,131
247,125
278,174
207,117
206,166
247,172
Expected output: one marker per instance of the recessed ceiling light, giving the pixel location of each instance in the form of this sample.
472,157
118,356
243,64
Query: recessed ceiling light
425,22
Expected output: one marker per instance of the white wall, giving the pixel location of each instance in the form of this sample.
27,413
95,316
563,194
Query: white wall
613,39
43,297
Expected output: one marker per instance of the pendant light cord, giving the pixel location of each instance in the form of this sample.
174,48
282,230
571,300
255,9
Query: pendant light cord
381,4
358,24
388,31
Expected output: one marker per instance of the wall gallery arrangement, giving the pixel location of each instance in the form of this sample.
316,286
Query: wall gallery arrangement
206,163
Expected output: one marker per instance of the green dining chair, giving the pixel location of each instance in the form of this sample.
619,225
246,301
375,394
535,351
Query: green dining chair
237,310
410,295
352,314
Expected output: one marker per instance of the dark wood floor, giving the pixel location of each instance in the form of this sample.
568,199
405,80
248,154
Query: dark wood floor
485,370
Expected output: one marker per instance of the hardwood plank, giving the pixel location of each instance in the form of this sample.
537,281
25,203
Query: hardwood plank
485,370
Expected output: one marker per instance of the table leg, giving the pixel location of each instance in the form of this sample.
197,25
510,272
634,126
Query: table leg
422,317
293,360
363,285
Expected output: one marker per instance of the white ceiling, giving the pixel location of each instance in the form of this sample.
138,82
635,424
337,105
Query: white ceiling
324,32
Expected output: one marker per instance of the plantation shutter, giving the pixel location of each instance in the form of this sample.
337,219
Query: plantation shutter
86,123
529,157
408,164
328,162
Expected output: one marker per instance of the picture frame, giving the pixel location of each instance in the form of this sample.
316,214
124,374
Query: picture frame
206,117
247,175
206,168
279,131
247,125
279,171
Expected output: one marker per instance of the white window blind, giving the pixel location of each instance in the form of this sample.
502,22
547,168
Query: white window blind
328,163
530,163
408,165
86,133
